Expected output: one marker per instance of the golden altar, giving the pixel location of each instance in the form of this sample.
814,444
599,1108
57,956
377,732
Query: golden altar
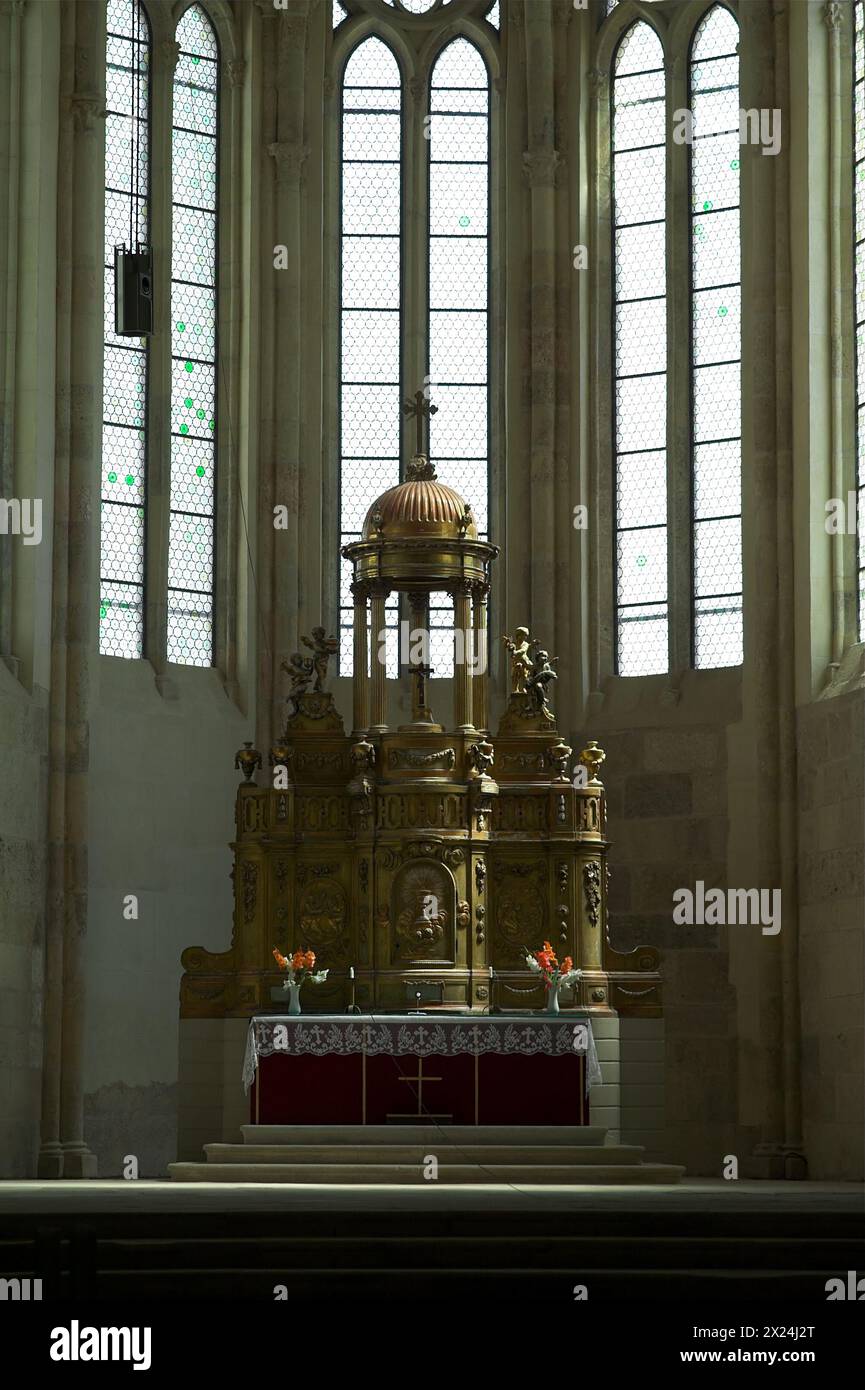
425,859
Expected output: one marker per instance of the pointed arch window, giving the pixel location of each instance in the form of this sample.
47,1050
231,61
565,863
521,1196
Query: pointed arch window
458,280
370,303
194,386
638,136
126,361
445,258
716,343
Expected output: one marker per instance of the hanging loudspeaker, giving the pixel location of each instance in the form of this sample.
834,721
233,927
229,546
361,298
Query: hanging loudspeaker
133,292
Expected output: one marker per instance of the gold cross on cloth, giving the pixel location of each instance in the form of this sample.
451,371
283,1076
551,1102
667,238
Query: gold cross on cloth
420,1079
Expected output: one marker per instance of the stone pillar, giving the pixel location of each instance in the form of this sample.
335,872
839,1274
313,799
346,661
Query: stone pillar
378,721
360,683
480,677
76,587
462,670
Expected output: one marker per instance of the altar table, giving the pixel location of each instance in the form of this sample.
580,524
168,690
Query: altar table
506,1069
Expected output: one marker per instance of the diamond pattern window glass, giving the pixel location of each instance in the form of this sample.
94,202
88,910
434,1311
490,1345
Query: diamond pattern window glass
859,235
126,360
193,342
371,302
640,348
716,348
459,131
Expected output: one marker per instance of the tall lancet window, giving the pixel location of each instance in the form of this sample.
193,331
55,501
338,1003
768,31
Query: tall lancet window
126,360
716,342
370,400
194,383
859,214
459,142
640,352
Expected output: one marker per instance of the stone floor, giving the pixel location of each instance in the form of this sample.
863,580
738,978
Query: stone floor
691,1195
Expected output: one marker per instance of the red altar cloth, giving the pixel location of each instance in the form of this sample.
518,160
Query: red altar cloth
504,1072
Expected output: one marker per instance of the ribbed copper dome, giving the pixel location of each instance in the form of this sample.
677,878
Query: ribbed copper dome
421,506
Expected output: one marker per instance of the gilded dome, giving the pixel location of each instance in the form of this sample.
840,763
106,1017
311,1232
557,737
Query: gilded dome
420,506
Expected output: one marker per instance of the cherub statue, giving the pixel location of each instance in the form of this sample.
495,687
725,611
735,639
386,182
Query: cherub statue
521,663
322,648
541,675
480,756
301,672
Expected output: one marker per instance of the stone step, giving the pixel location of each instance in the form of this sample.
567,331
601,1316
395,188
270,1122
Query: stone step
555,1155
394,1173
575,1135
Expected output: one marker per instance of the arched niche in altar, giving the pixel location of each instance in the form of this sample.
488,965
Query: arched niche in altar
423,913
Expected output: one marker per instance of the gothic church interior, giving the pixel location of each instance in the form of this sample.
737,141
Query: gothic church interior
431,438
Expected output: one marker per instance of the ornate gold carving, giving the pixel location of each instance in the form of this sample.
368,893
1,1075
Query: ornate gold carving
323,813
464,914
562,870
307,871
445,758
249,880
422,908
512,813
481,757
322,916
281,875
480,876
421,811
591,758
592,891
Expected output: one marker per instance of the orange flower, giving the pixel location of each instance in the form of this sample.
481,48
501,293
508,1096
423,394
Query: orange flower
280,959
309,959
567,964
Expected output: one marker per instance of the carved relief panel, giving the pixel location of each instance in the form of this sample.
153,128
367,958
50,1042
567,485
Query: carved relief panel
519,902
423,914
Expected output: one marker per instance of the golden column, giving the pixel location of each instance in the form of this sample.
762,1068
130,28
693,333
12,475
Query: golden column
480,594
378,666
461,593
360,683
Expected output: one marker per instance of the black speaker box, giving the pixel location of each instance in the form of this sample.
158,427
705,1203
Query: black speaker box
133,292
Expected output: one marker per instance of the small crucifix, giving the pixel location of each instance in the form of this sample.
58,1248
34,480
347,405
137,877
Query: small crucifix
420,710
421,407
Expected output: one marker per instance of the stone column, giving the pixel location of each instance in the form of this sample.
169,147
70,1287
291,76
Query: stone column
461,593
285,31
76,588
480,596
541,162
360,682
378,667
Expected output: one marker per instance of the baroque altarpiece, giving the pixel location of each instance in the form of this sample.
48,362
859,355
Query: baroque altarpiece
420,862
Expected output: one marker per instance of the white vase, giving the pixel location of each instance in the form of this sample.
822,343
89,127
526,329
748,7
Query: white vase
293,998
553,999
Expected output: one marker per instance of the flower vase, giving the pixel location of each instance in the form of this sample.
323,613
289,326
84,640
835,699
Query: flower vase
293,998
553,999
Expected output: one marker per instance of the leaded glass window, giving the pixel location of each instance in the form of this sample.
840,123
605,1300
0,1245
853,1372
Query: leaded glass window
339,13
126,360
193,342
859,233
716,342
459,294
640,352
371,304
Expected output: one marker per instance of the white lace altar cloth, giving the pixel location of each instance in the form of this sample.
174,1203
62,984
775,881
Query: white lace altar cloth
398,1035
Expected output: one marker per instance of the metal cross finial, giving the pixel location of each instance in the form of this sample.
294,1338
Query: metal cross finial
421,408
